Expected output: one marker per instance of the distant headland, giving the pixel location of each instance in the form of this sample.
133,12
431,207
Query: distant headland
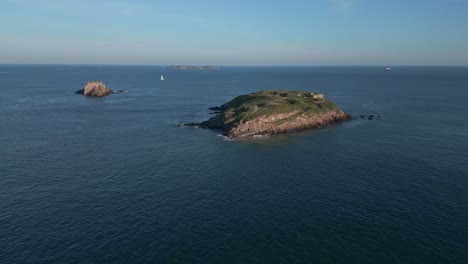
273,112
186,67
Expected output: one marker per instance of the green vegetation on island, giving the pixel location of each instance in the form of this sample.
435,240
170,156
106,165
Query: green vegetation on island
250,106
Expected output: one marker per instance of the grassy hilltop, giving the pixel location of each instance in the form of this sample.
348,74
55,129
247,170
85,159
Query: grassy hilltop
264,103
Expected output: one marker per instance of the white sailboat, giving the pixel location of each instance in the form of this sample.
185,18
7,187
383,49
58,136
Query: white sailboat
162,77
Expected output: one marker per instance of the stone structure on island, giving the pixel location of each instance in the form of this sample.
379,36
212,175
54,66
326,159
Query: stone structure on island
273,112
95,88
317,95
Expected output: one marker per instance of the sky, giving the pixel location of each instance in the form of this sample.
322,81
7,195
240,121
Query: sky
240,32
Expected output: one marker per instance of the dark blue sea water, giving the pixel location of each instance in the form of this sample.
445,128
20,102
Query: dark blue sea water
115,180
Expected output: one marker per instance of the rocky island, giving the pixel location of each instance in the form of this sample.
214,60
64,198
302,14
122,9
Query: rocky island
95,88
272,112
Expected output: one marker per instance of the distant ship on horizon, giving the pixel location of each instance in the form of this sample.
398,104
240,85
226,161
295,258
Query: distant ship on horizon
388,68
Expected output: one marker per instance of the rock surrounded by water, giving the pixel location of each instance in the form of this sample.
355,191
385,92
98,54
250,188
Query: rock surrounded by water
95,88
272,112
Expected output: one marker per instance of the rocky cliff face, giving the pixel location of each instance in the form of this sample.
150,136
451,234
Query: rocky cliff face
274,124
272,112
95,88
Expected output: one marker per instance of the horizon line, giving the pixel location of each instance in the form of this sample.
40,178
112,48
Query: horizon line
237,65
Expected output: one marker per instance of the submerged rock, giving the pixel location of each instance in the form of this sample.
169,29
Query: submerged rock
215,108
95,88
192,124
272,112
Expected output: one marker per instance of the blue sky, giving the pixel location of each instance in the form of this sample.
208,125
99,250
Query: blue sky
241,32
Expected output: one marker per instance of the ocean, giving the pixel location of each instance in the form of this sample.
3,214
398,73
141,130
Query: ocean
116,180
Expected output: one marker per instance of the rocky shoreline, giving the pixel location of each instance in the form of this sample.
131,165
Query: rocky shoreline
270,125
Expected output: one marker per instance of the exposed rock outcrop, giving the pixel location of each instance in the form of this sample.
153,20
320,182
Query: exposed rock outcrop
370,117
95,88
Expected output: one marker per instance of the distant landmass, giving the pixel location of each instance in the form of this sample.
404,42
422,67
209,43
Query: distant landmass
272,112
186,67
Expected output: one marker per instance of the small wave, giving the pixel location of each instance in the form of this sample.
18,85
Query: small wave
175,123
261,136
225,138
24,99
120,91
